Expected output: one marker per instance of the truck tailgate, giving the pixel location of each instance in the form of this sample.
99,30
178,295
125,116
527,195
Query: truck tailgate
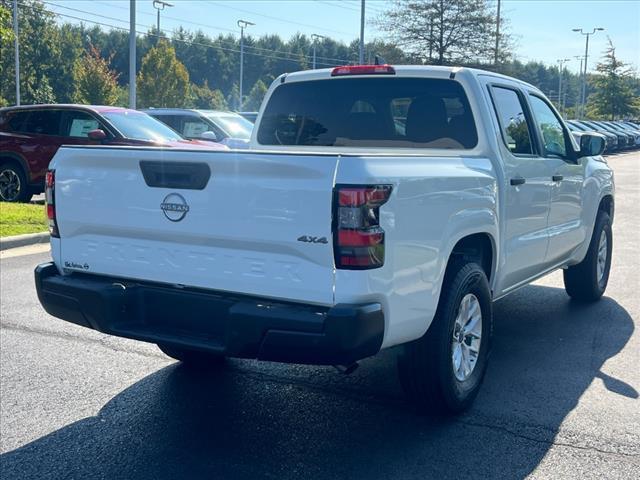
217,220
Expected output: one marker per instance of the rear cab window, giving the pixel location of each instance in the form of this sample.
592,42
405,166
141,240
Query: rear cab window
369,112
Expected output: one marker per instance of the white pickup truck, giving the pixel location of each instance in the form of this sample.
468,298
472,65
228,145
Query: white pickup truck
378,206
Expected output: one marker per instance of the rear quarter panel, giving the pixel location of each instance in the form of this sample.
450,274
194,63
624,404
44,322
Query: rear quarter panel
435,202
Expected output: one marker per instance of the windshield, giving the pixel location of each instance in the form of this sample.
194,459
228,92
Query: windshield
140,126
234,125
370,112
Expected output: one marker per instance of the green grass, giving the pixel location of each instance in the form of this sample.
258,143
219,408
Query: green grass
19,218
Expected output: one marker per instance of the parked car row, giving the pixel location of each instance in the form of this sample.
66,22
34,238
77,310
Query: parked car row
619,136
212,125
31,135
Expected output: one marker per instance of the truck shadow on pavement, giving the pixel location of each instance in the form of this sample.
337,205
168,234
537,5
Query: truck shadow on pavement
254,420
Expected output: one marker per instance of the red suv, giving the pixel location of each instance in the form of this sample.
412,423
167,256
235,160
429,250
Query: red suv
31,135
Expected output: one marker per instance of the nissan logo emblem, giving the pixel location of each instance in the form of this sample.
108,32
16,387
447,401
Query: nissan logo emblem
174,207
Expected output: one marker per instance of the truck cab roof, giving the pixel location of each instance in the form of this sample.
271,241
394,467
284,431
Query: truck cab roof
429,71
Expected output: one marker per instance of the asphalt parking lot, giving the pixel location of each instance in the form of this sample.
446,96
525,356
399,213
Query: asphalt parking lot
560,399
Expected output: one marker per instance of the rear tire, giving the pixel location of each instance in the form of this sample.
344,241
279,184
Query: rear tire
13,183
587,281
192,358
432,369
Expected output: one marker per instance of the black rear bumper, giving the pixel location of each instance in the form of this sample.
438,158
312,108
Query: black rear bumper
218,322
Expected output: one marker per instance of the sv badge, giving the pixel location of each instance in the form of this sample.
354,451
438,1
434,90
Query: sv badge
310,239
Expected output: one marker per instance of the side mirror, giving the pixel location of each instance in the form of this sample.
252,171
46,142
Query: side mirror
591,145
209,135
97,134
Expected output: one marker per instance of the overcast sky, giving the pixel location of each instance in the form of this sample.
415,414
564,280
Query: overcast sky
542,28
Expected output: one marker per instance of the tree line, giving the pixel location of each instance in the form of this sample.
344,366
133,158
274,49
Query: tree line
62,62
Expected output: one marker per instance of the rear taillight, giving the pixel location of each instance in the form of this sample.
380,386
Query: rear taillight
50,195
358,238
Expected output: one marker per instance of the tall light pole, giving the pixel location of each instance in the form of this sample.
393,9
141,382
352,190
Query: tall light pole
159,5
361,55
242,24
495,59
586,56
132,54
577,104
561,62
315,37
16,43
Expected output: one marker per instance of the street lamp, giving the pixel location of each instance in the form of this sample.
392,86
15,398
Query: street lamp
132,54
16,46
361,50
315,37
561,62
586,56
242,24
160,5
495,59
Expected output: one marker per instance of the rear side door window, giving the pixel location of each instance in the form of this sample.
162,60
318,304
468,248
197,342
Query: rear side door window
514,125
43,122
550,129
14,121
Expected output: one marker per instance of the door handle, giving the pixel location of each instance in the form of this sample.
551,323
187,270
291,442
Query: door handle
517,181
557,178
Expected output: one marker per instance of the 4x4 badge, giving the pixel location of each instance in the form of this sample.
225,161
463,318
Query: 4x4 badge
310,239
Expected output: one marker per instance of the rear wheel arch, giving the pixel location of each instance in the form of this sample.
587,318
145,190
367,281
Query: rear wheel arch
10,157
14,180
475,248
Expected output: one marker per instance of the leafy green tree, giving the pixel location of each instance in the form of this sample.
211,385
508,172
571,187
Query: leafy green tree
123,96
614,96
256,94
95,83
205,98
39,55
444,31
40,90
6,36
163,80
70,50
6,31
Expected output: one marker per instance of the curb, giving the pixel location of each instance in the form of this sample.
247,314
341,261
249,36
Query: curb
22,240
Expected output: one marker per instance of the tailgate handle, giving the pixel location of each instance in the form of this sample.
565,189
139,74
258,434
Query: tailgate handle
180,175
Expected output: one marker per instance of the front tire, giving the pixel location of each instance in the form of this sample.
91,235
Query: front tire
192,358
587,281
13,183
442,371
